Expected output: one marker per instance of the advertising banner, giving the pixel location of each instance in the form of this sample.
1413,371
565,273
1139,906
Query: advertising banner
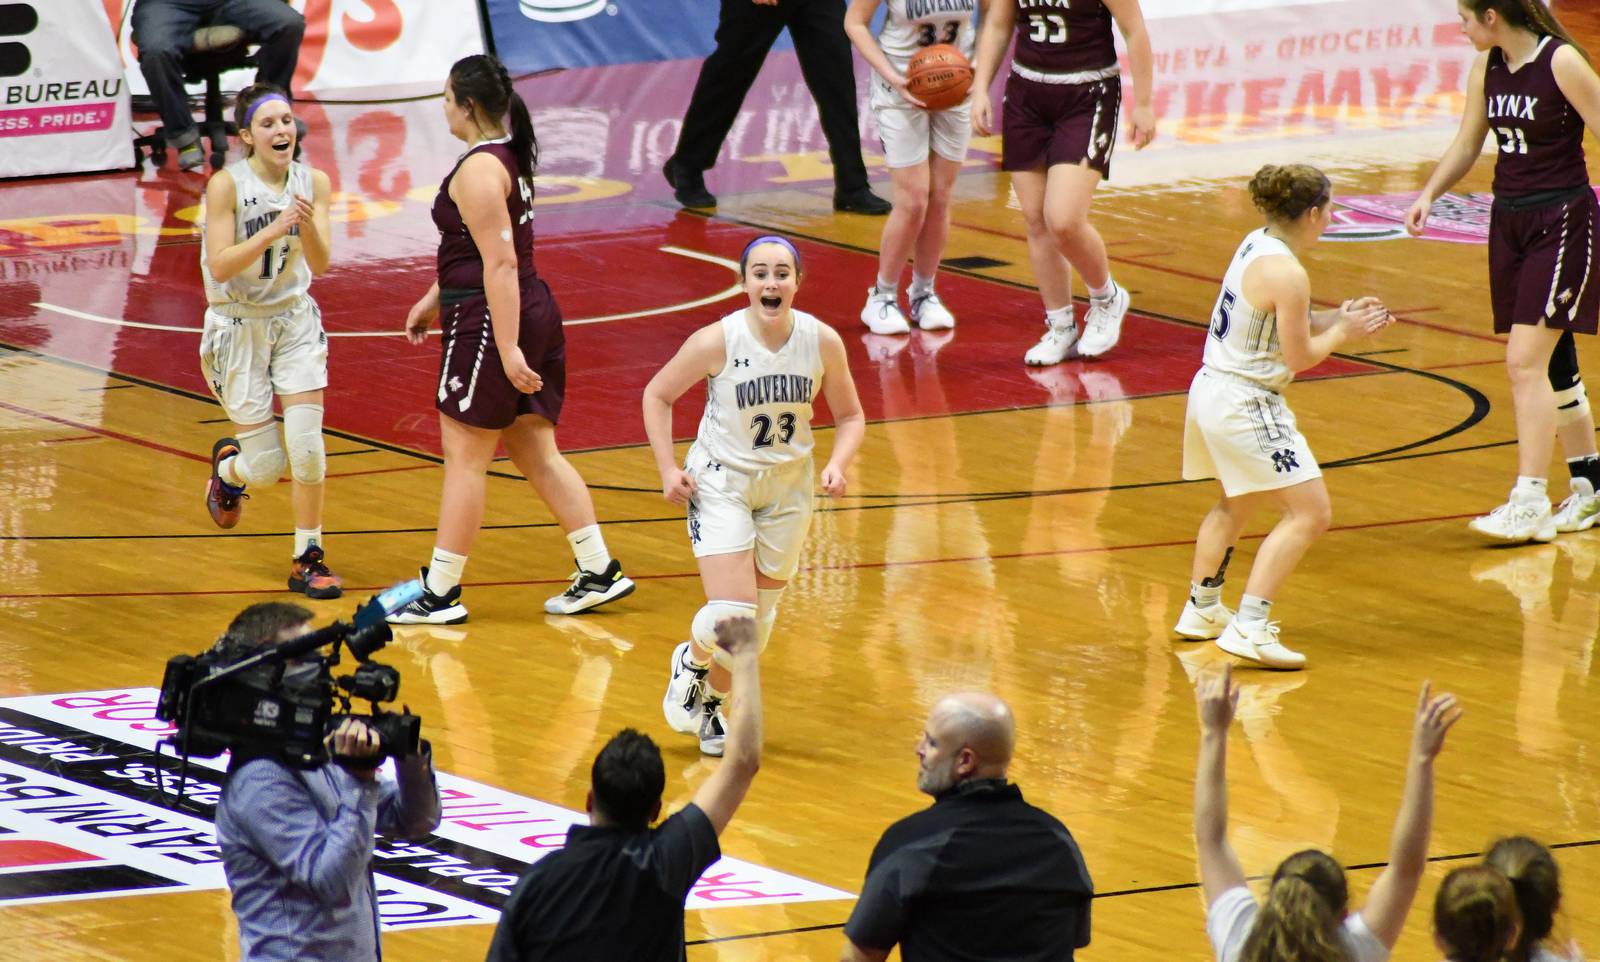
79,811
532,35
63,103
381,48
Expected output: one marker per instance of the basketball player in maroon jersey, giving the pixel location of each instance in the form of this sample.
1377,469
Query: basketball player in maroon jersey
1062,102
1535,89
502,376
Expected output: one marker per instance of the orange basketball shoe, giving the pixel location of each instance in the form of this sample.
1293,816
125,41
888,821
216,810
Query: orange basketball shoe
311,577
223,500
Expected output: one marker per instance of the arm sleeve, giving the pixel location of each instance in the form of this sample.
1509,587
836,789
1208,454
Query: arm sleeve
879,917
1360,942
283,825
410,809
686,845
1228,922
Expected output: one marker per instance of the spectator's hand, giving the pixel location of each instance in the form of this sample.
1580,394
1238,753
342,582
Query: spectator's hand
354,740
1435,715
1144,127
898,81
676,486
523,377
422,314
982,112
1216,697
736,636
832,482
1417,215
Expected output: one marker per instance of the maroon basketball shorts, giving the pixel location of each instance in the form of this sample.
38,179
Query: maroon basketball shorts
1542,262
1044,124
473,387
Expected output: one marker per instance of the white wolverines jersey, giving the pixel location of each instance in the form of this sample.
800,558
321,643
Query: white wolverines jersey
282,274
758,407
1243,339
914,24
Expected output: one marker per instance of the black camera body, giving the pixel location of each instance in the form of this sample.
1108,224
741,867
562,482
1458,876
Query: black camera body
283,700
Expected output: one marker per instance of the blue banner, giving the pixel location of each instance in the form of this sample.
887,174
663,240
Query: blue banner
532,35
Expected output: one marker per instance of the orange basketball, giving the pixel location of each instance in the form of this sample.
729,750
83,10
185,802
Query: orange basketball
939,76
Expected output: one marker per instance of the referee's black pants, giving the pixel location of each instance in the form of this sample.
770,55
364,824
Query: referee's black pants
745,32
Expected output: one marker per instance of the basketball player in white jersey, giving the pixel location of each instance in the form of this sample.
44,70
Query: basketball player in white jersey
1238,428
747,480
264,234
923,148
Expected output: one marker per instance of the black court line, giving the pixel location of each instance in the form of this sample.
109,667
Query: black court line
340,454
215,421
1121,893
1388,350
105,387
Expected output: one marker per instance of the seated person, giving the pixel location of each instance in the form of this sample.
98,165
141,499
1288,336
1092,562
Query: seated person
163,31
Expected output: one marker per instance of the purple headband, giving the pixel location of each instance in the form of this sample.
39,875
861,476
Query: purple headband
769,239
250,114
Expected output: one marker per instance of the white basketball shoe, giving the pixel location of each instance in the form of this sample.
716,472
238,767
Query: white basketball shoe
1259,643
882,313
1056,346
1202,624
930,313
1581,510
685,691
1517,522
1102,327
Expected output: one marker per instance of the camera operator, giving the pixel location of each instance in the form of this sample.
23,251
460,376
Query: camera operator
297,843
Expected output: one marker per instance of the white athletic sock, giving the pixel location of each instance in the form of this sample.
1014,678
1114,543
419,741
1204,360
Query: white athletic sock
444,571
1204,597
1530,490
887,288
227,474
1101,293
589,547
305,538
920,286
1253,610
1060,317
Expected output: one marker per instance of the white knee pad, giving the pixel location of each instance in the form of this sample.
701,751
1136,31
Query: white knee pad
302,429
1572,405
766,613
261,459
704,626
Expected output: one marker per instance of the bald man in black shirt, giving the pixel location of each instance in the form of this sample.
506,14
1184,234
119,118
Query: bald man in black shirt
980,874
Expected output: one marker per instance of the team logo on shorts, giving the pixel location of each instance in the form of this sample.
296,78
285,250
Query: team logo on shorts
694,524
1283,462
455,384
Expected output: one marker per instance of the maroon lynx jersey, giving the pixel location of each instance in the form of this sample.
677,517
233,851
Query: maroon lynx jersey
460,264
1064,36
1539,132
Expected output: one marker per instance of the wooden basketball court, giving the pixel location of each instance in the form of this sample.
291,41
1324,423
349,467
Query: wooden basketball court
1021,531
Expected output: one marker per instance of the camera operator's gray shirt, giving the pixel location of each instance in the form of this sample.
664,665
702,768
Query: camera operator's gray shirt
297,847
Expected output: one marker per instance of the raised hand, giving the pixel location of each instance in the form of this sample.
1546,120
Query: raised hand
736,636
1435,715
1216,698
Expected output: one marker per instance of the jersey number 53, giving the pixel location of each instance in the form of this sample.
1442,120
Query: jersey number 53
1047,28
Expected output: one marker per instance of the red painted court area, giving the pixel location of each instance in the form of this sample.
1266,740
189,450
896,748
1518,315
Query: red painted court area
381,387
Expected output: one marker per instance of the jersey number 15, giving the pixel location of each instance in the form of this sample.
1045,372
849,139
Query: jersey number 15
1222,319
267,257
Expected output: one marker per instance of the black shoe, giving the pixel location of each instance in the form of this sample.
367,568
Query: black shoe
688,186
590,590
432,609
861,201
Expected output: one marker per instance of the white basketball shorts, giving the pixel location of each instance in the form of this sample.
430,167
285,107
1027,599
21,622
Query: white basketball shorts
248,360
1244,436
734,510
909,132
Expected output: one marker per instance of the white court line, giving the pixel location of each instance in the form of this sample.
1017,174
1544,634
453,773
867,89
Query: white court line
604,319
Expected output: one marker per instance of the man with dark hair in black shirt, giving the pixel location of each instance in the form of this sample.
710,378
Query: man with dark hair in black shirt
980,874
616,891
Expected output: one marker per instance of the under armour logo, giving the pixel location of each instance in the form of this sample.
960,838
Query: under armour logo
249,201
455,384
741,362
1284,462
